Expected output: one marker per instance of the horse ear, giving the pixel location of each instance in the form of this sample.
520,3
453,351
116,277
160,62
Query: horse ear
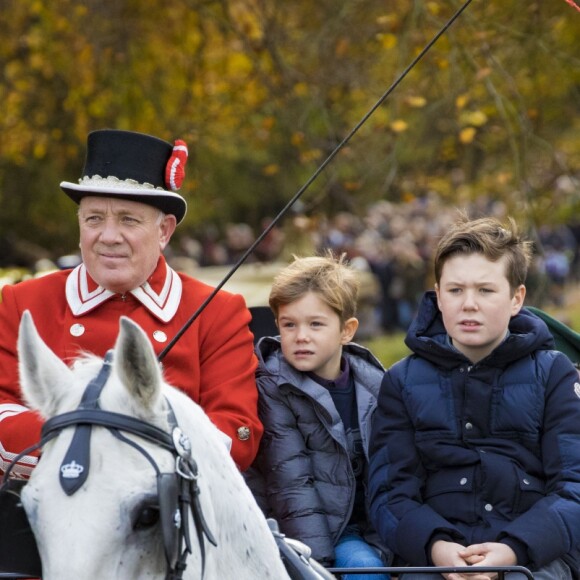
136,363
44,378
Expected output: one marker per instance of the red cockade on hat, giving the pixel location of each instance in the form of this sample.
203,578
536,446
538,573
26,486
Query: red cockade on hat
175,168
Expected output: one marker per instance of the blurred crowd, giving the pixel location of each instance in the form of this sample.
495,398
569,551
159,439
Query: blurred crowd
392,241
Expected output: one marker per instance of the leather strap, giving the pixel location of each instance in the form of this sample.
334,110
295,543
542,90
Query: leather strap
74,468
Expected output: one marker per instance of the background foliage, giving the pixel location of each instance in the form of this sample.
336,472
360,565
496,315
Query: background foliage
263,90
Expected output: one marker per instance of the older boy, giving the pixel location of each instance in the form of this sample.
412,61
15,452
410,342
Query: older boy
475,447
317,393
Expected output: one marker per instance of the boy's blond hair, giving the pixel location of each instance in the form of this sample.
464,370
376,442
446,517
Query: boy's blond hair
332,278
487,236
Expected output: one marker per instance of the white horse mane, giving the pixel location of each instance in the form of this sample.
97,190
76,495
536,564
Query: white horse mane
103,530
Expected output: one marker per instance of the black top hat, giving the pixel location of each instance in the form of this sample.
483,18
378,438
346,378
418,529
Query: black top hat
133,166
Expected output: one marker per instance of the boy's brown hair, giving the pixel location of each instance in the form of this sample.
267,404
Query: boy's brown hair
487,236
332,278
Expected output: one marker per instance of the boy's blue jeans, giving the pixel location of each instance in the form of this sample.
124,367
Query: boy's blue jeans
352,551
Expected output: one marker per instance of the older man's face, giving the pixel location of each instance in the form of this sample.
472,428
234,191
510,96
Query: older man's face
121,240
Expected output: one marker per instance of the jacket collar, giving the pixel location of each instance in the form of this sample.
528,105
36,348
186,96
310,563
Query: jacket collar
160,294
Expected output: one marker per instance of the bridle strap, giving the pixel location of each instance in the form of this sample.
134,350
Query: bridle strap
75,465
189,503
111,420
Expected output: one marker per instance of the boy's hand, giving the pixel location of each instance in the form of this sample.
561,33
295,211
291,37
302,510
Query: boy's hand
449,554
489,554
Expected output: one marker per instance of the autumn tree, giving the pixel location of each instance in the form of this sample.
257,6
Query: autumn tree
263,91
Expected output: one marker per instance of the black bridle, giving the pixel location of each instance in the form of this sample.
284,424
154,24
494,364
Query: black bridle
178,491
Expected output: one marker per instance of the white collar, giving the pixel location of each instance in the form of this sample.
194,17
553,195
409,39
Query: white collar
162,305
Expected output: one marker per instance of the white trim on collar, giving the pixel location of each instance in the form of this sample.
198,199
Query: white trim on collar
163,305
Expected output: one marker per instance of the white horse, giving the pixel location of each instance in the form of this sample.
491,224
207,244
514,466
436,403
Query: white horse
111,528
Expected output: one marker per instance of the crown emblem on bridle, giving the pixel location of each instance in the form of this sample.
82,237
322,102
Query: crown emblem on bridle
71,470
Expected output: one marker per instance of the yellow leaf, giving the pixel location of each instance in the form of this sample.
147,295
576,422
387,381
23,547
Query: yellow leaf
39,150
467,135
301,89
387,40
416,102
268,122
271,169
310,155
297,138
399,126
388,20
434,8
461,101
352,185
474,118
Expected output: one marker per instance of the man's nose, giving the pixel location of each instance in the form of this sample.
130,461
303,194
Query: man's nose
110,230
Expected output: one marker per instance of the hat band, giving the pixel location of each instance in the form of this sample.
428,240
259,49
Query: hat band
115,183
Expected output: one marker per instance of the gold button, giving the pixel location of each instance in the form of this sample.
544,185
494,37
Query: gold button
243,433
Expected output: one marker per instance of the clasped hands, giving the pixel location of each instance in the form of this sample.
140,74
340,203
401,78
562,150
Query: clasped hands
490,554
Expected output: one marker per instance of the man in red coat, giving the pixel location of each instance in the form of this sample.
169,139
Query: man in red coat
128,210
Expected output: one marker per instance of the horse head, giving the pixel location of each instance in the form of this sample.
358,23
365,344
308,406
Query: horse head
121,446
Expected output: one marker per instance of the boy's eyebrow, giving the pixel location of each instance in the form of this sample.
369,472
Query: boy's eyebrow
309,317
470,283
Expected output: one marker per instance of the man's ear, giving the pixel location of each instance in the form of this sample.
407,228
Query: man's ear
348,330
167,227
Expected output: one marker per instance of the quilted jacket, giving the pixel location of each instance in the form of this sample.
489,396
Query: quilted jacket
308,484
478,452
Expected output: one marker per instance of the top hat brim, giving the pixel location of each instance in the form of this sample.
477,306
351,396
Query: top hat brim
166,201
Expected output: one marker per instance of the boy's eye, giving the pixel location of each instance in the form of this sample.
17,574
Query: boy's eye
287,324
317,323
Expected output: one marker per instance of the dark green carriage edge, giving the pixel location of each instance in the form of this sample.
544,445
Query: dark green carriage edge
567,340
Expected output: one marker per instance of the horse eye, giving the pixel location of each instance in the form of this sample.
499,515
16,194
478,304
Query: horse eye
146,517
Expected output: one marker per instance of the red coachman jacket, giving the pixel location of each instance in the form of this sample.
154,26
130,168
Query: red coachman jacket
213,362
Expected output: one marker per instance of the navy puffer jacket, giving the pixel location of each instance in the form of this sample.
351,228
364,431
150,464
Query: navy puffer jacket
478,452
308,481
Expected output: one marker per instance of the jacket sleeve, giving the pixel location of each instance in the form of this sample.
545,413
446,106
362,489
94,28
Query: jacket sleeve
19,427
550,529
396,478
228,392
285,463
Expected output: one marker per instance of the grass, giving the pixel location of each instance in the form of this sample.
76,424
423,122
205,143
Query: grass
391,348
